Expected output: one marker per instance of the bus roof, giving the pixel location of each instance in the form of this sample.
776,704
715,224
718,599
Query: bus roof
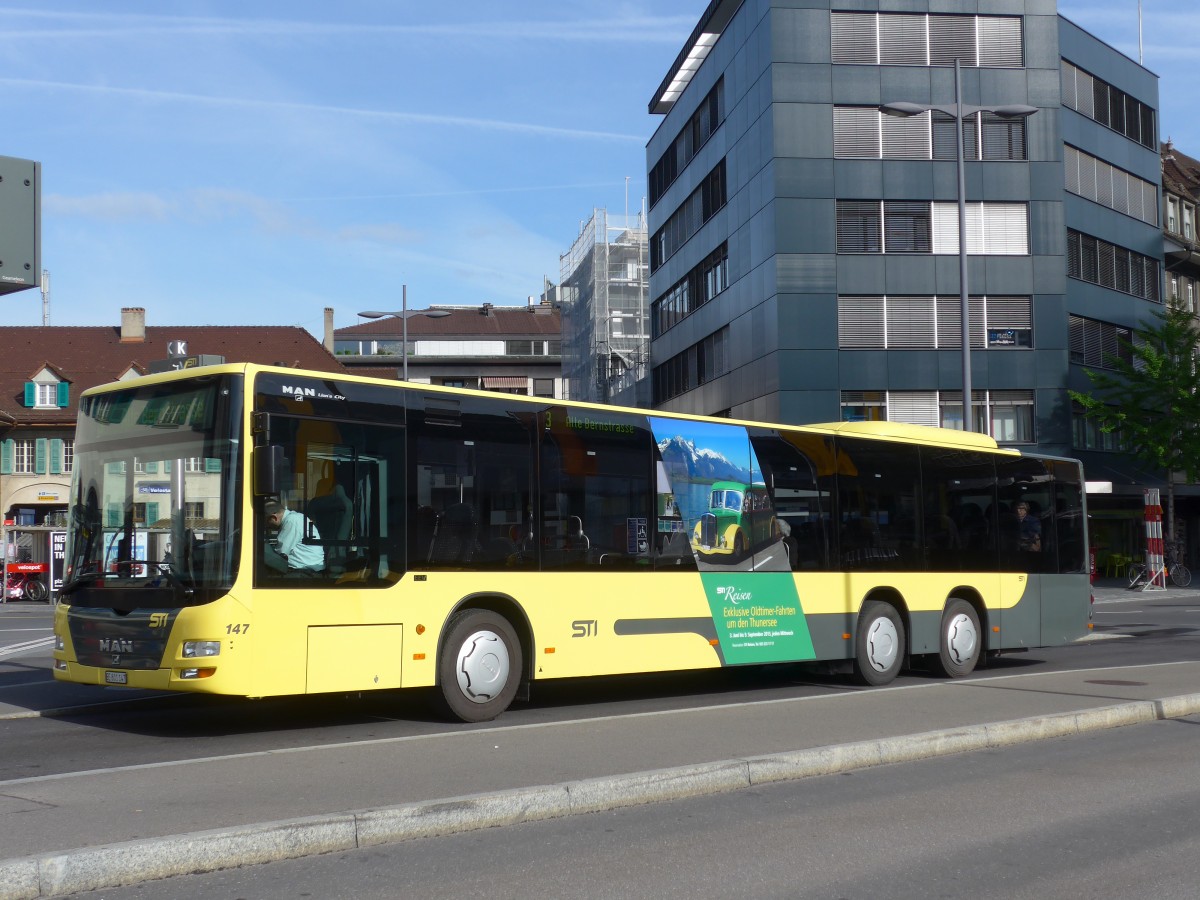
891,431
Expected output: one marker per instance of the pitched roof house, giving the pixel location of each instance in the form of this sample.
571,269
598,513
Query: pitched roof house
510,349
44,369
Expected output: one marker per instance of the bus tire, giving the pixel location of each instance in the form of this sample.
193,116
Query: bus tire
879,644
959,639
480,666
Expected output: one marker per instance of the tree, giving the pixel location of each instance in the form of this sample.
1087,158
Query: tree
1150,396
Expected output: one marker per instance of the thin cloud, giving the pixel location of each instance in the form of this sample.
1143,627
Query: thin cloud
112,206
621,29
406,118
466,192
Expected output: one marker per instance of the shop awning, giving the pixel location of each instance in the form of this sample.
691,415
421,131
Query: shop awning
505,381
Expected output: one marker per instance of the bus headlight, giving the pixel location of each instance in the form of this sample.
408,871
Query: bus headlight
59,643
193,649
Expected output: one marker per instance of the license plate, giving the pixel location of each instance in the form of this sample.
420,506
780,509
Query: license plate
116,678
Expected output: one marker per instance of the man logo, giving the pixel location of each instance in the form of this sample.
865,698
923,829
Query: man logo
299,392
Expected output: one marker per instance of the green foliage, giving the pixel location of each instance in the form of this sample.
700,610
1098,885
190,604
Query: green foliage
1153,402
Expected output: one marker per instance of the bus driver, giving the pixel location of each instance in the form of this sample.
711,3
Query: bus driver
293,556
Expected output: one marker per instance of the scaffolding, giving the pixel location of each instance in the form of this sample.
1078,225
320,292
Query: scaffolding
604,280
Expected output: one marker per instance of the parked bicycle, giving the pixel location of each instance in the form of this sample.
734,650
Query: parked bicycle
26,586
1180,575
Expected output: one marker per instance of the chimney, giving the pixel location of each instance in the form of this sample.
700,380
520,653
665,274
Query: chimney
486,309
329,328
133,325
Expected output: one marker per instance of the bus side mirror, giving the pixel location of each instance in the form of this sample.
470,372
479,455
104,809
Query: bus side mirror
268,463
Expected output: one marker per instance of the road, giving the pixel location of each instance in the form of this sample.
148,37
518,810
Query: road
1107,816
113,765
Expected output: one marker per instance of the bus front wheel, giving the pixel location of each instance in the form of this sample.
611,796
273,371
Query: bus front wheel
479,670
960,639
879,645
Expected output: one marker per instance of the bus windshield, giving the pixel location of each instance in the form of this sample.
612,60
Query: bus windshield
722,499
155,492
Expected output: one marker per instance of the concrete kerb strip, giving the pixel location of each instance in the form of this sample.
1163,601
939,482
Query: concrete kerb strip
52,875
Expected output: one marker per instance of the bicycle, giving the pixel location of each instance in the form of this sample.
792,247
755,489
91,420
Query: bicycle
1180,575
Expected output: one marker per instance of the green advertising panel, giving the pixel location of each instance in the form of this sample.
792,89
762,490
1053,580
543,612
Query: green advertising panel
758,617
713,490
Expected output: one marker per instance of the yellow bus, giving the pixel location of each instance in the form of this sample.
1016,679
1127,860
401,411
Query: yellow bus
258,531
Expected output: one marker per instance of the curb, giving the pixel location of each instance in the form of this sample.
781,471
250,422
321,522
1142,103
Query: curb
132,862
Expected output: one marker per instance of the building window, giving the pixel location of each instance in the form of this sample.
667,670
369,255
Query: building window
905,39
687,143
1011,416
68,456
863,132
1173,215
1189,220
933,323
697,365
698,208
1006,415
1099,262
864,406
1098,344
24,456
1103,103
692,291
47,396
52,395
1102,183
1086,433
543,387
193,510
895,226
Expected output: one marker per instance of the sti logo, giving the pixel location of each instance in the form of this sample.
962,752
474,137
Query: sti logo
299,392
733,595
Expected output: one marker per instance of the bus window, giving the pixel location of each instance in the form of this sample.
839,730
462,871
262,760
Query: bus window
470,500
801,506
1068,517
958,508
596,490
345,481
878,527
1025,513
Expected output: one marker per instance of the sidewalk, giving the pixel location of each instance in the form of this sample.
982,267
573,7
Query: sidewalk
197,815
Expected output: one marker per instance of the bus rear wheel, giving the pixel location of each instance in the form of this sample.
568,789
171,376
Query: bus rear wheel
879,645
480,666
959,640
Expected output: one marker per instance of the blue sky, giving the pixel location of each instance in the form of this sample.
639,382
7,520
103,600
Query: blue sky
222,162
227,162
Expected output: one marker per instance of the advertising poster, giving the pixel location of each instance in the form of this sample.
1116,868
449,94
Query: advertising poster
716,494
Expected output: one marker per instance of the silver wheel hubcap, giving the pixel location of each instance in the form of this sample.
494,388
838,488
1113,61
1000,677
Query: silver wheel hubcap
961,638
482,666
883,643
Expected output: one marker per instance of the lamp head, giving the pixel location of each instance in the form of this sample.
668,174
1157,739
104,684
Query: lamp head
903,109
1013,111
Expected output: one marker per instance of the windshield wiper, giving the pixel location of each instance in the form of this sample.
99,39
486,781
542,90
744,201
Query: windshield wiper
80,581
161,567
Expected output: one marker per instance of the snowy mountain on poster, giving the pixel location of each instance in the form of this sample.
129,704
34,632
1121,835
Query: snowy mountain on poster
699,464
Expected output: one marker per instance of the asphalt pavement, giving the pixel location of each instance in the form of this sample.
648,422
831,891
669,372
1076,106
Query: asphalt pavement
128,824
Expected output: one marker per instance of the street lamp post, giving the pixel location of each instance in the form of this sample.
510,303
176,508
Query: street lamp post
959,111
404,315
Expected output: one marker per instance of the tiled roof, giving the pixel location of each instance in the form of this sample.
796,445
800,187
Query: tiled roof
86,356
1181,173
464,322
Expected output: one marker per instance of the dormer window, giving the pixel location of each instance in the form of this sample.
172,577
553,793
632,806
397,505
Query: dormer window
46,394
